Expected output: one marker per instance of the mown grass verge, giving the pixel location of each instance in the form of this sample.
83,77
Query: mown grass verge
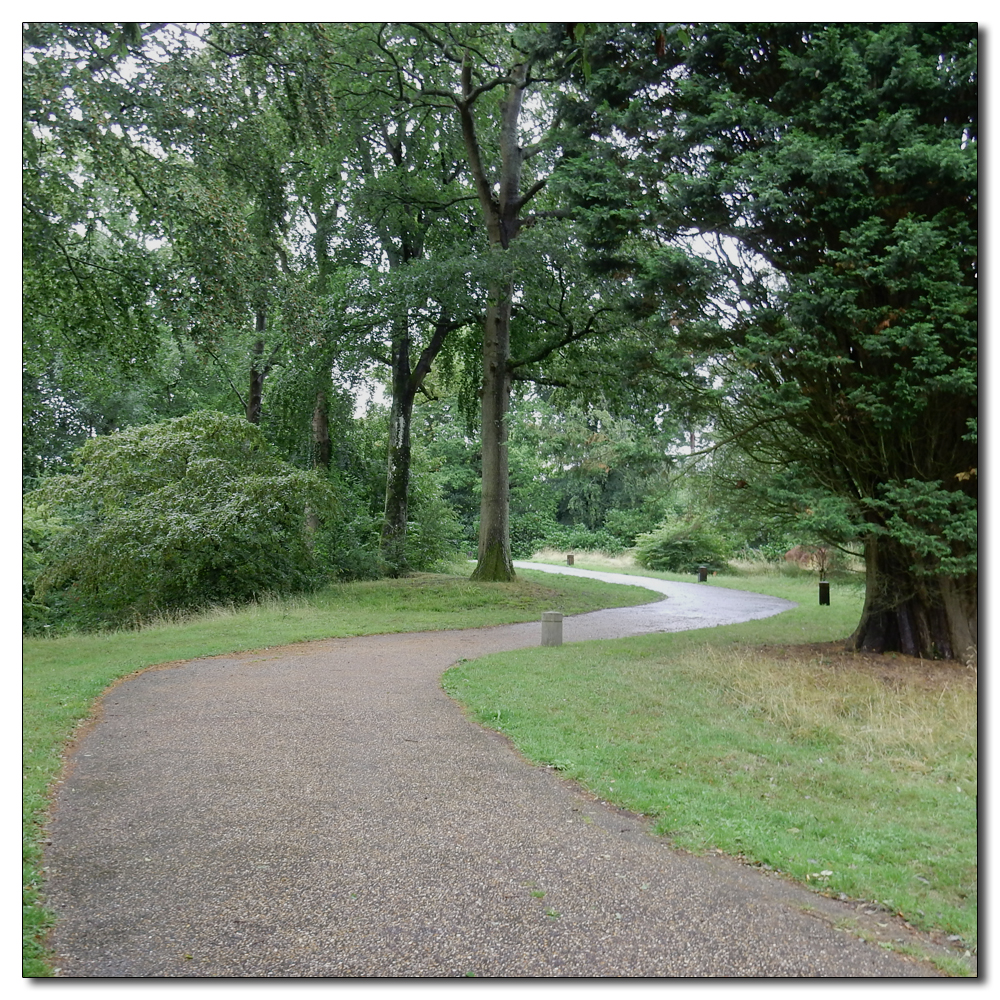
856,776
64,676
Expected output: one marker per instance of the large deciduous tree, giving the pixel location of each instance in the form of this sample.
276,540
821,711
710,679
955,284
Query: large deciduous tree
495,81
153,199
373,181
840,160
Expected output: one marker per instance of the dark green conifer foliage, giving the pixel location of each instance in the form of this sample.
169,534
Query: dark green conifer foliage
838,164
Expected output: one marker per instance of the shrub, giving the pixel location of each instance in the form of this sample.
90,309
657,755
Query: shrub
188,512
625,525
39,529
433,532
583,539
681,547
350,549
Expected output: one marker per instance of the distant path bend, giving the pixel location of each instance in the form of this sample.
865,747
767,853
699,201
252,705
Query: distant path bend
324,810
688,606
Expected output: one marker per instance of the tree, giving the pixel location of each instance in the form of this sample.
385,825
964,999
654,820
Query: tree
410,196
496,82
840,162
373,183
85,272
267,172
138,218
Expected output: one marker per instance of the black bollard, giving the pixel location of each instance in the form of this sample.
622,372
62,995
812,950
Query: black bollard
824,592
702,574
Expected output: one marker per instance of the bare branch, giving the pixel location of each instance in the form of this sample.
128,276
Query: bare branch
225,371
531,192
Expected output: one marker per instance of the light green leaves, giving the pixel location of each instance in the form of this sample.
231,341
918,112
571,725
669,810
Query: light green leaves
193,511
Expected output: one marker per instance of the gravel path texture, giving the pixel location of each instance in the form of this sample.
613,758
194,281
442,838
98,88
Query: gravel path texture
325,810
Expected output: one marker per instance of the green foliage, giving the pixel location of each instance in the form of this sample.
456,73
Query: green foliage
434,533
682,547
434,530
185,513
939,527
835,169
39,530
580,538
624,525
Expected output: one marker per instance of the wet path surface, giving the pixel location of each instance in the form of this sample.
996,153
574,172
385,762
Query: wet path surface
324,810
689,606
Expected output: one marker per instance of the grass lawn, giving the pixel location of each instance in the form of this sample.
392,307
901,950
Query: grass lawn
64,675
856,775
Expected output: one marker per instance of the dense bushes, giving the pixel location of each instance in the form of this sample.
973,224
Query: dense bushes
433,532
179,514
582,539
681,547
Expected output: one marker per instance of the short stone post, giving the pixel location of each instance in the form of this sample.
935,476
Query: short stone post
569,559
824,592
552,628
702,574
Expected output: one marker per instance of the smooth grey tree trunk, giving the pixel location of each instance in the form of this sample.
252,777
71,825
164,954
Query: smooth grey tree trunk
495,562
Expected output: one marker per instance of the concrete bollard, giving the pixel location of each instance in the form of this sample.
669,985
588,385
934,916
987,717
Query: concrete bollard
569,559
552,628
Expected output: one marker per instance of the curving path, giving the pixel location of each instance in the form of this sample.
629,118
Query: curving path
324,810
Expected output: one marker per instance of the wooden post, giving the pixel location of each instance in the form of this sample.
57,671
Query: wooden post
569,559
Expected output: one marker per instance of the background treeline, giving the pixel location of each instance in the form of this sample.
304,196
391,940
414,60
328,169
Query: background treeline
700,288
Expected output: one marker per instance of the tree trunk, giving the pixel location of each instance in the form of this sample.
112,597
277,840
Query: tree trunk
494,513
257,370
397,478
322,448
397,484
501,213
926,616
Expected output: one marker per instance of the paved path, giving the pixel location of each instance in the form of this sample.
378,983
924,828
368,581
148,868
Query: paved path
324,810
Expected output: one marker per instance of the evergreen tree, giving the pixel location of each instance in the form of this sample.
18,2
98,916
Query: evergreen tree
835,167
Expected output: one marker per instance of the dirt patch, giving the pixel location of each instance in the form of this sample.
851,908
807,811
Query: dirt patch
892,669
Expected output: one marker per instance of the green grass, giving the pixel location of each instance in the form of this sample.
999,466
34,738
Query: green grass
783,763
847,784
64,675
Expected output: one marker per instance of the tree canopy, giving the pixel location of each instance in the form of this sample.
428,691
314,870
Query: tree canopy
835,166
762,235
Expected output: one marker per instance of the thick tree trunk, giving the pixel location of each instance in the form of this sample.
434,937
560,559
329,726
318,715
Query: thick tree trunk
501,213
931,617
494,514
